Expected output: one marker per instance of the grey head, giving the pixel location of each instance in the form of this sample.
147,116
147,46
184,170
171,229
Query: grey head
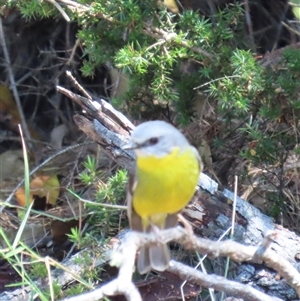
156,138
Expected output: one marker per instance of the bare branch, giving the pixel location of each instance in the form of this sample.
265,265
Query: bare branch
124,257
232,288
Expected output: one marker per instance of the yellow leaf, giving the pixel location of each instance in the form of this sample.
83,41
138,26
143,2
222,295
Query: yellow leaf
252,152
20,195
46,186
42,187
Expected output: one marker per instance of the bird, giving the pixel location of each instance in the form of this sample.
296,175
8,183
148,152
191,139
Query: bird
167,171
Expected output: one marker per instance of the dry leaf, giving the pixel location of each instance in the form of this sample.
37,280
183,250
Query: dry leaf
42,187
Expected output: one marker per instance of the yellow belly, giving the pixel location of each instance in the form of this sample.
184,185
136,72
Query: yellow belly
165,185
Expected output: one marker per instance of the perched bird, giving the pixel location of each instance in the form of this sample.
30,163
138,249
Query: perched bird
166,175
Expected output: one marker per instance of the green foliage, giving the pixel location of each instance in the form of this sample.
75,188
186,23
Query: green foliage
91,174
292,57
113,191
237,92
167,56
75,236
274,131
57,289
76,290
38,270
34,9
110,192
14,255
151,45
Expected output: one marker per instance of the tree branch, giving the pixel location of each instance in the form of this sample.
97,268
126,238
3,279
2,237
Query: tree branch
124,257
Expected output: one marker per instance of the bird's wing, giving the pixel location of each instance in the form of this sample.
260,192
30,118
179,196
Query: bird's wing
199,159
135,220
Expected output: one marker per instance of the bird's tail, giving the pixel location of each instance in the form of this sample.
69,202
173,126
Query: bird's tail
153,257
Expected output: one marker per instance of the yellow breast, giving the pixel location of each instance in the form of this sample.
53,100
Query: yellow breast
165,184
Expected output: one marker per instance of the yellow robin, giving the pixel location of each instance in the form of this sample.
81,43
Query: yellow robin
166,175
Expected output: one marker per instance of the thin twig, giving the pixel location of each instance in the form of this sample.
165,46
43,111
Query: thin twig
77,85
291,29
58,7
249,24
13,82
159,33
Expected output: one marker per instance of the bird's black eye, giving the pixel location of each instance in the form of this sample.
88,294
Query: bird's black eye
153,141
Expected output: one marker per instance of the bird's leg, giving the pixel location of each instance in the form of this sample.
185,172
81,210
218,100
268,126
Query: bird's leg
188,227
156,231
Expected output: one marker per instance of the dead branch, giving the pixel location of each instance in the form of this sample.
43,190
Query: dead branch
232,288
124,257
